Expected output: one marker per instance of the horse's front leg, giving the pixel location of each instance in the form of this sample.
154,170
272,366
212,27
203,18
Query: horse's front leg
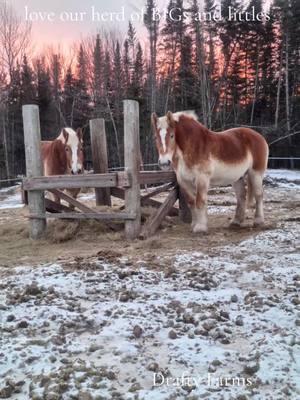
199,213
189,191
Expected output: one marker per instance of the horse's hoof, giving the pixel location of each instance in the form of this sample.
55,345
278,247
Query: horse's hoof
235,224
199,229
258,222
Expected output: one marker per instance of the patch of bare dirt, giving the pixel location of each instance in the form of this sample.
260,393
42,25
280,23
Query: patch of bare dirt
66,240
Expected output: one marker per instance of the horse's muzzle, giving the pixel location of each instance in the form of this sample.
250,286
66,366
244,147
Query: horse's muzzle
79,171
166,165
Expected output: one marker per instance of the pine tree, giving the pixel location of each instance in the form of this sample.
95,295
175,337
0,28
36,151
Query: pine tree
172,39
152,26
56,76
82,98
28,90
201,79
107,75
269,58
13,125
44,98
127,68
131,34
138,74
69,97
186,79
97,84
117,82
27,96
210,69
230,36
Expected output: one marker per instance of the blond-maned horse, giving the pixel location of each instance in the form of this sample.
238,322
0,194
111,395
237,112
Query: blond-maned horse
202,158
64,156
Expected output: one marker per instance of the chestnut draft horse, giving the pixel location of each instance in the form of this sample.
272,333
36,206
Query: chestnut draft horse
63,156
202,158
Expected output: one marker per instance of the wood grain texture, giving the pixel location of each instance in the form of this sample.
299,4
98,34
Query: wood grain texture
34,166
100,158
132,166
155,220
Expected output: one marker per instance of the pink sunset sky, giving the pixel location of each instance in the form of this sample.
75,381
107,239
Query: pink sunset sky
53,27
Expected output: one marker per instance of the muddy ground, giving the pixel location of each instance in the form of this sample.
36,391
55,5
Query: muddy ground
87,315
65,240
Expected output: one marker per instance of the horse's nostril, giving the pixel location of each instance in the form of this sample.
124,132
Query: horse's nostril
164,164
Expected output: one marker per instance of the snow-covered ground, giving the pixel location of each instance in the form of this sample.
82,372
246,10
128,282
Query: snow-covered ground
10,197
289,179
103,329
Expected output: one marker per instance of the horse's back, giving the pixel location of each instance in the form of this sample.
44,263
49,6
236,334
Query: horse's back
258,146
237,144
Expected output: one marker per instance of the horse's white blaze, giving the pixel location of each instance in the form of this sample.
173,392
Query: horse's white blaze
74,159
163,134
73,142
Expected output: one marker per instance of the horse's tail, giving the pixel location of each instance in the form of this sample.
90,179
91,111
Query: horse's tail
250,192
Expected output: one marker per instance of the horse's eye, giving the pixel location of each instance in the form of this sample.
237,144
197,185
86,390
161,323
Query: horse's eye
67,148
172,136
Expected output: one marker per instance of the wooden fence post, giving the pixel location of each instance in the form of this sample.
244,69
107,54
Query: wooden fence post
100,160
132,166
184,210
34,167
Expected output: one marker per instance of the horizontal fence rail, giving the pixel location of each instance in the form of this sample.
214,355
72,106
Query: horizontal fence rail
284,158
118,179
113,179
101,216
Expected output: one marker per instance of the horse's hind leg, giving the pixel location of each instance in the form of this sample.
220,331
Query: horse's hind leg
200,210
256,182
240,191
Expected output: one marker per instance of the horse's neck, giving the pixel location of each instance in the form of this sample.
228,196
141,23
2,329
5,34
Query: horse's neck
54,157
192,136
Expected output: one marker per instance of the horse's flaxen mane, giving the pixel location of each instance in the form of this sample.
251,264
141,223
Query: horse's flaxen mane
163,121
69,131
190,114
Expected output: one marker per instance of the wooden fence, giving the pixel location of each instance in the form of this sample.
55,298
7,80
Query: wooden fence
124,184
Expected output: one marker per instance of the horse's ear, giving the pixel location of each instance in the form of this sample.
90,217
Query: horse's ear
170,119
154,119
80,134
65,135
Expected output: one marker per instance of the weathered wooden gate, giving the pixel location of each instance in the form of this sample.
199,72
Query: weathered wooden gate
125,184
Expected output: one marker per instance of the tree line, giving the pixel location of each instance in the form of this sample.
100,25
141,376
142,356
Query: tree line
230,73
